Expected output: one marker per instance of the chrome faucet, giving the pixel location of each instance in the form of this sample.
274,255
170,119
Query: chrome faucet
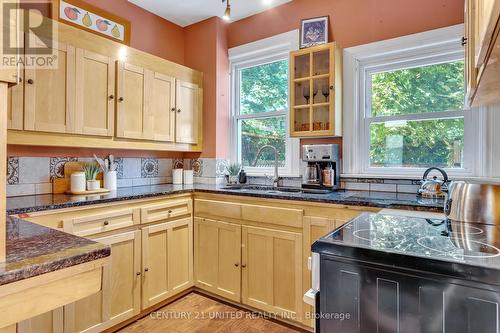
277,181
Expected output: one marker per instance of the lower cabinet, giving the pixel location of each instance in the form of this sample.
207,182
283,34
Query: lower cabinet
50,322
217,257
167,260
256,266
272,271
119,298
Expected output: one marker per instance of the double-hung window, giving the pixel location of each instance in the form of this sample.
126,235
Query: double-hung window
260,107
410,114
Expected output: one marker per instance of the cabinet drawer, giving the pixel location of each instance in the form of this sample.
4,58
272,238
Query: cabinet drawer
273,215
217,208
165,210
107,221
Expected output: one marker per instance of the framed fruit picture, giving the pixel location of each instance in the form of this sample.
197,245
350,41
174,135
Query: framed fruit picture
84,16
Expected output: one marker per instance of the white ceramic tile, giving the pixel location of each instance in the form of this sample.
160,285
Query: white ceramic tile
165,167
205,180
131,168
20,189
209,167
34,170
43,188
124,183
408,188
357,186
141,181
383,187
160,180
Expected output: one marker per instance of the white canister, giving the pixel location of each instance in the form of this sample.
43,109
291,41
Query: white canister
78,182
188,177
93,185
177,176
110,180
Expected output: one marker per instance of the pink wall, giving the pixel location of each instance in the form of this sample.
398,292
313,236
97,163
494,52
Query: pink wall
352,22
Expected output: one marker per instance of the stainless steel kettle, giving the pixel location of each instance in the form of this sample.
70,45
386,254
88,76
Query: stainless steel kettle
433,187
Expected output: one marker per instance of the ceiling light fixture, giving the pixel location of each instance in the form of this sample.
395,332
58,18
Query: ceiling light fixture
227,12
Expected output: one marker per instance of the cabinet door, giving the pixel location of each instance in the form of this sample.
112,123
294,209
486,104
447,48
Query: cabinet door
15,107
217,257
167,260
187,118
50,322
95,89
160,107
49,94
119,298
272,271
130,105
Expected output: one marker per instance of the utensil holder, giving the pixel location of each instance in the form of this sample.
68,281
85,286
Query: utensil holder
110,180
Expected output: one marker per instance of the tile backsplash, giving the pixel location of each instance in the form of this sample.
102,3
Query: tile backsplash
33,175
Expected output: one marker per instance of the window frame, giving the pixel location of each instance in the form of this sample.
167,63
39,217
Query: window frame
433,47
262,52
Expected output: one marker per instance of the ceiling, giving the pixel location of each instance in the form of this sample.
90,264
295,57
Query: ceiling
186,12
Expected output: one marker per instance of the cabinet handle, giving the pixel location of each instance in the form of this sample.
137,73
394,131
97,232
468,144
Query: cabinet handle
111,97
243,266
138,273
464,41
146,269
173,109
120,99
20,79
30,81
236,265
178,110
106,223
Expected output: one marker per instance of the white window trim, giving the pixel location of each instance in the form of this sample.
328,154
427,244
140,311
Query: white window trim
260,52
440,45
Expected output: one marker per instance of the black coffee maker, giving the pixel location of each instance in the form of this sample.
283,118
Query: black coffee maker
322,170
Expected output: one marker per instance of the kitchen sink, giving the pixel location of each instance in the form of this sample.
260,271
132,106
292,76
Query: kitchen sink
273,190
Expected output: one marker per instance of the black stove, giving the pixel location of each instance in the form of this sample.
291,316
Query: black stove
410,274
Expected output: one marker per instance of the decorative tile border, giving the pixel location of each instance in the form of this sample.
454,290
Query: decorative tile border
149,168
57,166
13,171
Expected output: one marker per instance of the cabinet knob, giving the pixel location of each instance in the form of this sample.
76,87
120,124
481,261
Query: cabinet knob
138,273
243,266
331,87
20,79
146,269
30,81
173,109
178,110
111,96
106,223
120,99
236,265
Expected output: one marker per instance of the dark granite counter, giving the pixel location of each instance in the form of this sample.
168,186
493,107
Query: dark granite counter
34,203
33,250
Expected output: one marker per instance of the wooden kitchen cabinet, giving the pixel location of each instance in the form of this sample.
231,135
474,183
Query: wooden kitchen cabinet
130,109
272,271
187,121
15,109
217,256
95,94
160,111
316,91
167,260
119,298
49,104
50,322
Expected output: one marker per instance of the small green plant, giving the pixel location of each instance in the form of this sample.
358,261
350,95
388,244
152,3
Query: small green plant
91,170
234,169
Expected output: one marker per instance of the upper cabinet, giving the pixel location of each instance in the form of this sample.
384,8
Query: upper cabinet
95,93
482,51
316,91
107,95
49,94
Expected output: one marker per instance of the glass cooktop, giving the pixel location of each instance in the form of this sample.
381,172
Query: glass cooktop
467,243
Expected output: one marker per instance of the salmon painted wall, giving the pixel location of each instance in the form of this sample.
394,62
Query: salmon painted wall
352,22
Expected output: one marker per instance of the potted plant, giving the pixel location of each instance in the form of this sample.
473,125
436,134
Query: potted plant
233,170
91,170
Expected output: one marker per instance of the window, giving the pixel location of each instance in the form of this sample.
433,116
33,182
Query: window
409,96
260,106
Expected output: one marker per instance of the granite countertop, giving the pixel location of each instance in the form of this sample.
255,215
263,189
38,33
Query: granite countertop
34,203
33,250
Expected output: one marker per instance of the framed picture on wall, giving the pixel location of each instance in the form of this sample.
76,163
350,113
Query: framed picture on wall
314,31
84,16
